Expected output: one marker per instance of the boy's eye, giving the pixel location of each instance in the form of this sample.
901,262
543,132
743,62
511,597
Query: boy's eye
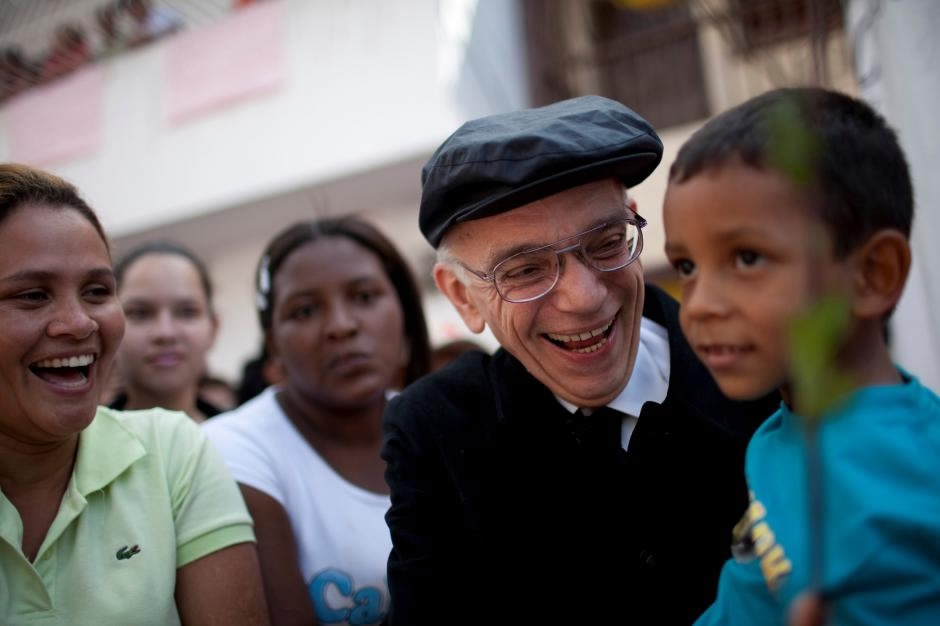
748,258
685,267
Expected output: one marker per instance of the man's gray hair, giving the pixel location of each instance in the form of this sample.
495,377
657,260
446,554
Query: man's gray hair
446,257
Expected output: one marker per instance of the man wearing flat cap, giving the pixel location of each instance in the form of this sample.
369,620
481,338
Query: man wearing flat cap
589,472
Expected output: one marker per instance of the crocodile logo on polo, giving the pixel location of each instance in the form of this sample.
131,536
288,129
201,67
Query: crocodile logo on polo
126,553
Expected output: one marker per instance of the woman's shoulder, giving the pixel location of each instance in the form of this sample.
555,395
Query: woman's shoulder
154,442
155,427
254,415
147,420
257,429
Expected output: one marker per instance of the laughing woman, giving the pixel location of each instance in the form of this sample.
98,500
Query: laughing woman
100,522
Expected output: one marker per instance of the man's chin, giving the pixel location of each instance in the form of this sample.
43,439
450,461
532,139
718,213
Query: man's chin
589,394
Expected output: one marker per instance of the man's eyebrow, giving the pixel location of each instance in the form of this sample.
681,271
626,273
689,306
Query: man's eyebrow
500,254
505,252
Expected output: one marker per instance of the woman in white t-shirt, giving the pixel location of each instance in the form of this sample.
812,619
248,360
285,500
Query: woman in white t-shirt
342,315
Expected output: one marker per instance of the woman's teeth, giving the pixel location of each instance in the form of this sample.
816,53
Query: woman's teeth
75,361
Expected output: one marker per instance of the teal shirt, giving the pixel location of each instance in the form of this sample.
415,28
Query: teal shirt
148,495
880,454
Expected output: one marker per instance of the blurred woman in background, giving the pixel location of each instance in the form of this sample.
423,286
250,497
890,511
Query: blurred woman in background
171,326
342,316
105,517
258,373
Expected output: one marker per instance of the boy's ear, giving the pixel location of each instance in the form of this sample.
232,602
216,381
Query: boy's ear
459,295
881,272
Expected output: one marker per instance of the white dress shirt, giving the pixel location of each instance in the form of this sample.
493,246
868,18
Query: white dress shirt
649,381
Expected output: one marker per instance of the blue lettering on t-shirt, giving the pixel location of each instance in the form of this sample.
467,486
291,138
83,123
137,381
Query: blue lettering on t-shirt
329,588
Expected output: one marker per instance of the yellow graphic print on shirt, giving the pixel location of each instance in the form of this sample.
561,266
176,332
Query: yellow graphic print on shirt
753,539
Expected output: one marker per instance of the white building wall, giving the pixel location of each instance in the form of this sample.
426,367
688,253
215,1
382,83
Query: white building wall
732,78
362,104
360,89
896,55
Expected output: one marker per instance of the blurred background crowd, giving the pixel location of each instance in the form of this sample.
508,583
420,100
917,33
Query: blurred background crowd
216,123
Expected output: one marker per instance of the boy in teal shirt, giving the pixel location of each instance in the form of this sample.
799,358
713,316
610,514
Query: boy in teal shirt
795,196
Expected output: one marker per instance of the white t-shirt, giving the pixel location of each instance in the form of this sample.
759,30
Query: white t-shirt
339,528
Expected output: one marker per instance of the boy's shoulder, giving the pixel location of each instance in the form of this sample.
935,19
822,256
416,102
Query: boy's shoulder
878,432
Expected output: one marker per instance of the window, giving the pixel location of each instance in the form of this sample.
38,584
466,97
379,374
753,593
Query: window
649,59
763,23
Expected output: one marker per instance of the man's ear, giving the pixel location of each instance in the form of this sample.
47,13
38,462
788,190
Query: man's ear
881,271
459,295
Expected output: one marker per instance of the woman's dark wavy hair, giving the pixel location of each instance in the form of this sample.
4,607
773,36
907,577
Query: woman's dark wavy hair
369,237
21,185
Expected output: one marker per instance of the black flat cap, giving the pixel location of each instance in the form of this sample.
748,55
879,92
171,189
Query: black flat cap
498,163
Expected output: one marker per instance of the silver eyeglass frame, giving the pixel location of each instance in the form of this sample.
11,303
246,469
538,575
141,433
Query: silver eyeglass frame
490,277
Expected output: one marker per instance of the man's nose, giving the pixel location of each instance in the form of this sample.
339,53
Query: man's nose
580,287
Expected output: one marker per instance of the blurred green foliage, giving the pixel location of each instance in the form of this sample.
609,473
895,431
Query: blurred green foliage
815,340
816,336
792,147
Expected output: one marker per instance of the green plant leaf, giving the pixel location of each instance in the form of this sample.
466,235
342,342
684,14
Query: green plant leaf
815,339
792,147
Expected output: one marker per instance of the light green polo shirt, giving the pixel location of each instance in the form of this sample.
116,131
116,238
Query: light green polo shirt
148,495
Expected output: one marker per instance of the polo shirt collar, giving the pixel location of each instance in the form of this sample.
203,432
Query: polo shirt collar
105,449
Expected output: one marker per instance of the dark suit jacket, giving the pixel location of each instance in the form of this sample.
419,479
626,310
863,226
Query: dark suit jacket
501,514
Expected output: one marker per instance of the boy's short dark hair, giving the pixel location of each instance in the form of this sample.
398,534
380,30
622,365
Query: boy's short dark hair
857,170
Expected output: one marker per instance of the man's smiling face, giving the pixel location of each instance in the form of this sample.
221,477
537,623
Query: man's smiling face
580,340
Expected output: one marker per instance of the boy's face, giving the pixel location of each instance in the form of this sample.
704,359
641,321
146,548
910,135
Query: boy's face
750,258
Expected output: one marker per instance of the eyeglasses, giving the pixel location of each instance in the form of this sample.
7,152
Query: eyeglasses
531,274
